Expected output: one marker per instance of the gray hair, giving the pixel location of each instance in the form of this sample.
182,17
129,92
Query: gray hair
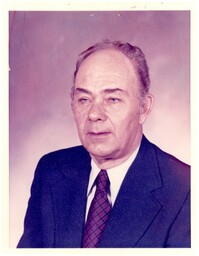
134,54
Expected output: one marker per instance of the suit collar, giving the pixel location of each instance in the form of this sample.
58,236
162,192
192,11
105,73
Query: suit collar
135,207
147,164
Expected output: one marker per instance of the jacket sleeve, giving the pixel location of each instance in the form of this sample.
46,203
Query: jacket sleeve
38,213
180,231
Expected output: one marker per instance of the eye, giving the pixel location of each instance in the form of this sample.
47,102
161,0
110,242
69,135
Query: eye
83,100
113,100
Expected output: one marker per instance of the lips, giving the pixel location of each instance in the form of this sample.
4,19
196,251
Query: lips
98,134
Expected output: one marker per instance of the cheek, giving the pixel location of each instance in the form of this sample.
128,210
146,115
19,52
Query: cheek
126,120
80,119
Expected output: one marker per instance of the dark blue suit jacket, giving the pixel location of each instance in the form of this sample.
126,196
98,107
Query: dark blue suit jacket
152,208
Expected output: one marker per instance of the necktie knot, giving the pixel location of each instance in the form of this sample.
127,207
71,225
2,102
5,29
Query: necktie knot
102,181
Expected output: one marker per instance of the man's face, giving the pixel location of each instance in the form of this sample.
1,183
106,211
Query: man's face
106,105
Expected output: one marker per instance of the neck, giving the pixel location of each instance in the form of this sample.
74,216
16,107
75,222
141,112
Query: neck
111,162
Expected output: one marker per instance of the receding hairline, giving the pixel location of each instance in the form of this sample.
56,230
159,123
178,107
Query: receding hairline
132,52
98,52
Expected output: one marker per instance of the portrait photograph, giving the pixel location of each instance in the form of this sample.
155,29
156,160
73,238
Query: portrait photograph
99,128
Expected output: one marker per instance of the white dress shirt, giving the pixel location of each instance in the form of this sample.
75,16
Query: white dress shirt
116,176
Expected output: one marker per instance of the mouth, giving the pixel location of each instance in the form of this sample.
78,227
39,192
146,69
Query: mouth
98,134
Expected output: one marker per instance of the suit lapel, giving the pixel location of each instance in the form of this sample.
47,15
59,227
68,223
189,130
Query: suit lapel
135,207
70,203
134,210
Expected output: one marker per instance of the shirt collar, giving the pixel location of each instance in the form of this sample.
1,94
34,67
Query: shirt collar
116,175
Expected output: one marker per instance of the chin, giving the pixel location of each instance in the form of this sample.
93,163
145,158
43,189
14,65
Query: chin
100,151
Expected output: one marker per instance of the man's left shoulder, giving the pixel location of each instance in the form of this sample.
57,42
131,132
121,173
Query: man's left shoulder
172,169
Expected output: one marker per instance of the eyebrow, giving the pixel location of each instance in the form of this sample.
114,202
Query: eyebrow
113,90
82,90
108,90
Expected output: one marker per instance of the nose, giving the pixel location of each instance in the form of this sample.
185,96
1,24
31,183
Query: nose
96,112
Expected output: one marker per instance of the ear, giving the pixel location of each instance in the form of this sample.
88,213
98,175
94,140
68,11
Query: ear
71,104
72,97
146,106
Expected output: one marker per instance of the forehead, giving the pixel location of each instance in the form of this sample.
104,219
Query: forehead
109,65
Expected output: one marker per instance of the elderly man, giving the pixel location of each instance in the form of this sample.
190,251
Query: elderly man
117,190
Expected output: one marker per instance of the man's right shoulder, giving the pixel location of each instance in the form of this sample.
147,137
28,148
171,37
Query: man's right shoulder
63,157
66,156
52,166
